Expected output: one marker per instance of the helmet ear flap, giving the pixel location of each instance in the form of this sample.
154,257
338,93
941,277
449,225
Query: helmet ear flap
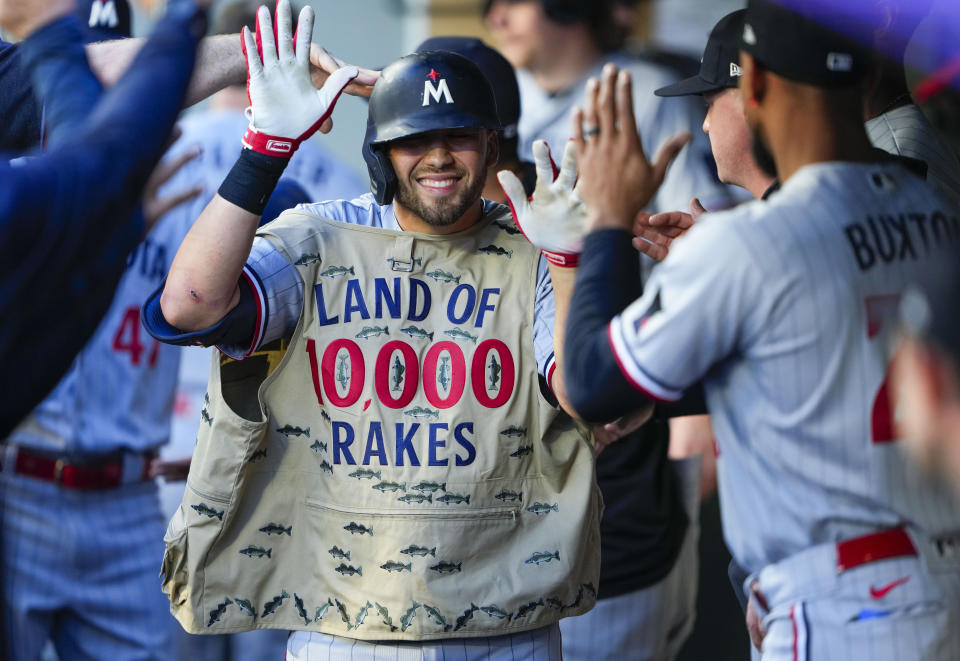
387,177
383,180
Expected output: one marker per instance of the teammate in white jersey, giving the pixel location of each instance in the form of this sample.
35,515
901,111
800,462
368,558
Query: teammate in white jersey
782,309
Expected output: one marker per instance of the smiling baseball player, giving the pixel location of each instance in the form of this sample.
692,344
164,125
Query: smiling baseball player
783,309
411,492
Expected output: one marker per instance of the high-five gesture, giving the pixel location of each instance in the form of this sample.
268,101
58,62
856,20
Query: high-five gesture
616,179
286,108
654,233
554,219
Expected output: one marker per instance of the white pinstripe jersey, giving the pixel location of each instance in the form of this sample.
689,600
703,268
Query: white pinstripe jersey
781,307
907,132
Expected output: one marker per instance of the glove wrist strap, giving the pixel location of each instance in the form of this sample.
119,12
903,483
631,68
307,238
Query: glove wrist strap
562,259
269,144
252,179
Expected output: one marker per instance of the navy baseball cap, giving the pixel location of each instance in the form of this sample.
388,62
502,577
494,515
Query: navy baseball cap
805,42
497,70
720,65
104,20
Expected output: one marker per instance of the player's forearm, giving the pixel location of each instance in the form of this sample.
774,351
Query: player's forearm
220,63
606,282
562,279
202,286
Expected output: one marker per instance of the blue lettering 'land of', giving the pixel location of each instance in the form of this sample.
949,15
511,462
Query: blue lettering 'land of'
391,300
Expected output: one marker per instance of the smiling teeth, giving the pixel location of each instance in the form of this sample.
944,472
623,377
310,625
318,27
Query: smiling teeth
439,184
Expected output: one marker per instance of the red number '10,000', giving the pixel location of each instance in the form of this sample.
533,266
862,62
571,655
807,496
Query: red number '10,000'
324,379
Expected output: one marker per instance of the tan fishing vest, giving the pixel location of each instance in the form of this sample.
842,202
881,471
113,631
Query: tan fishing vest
398,475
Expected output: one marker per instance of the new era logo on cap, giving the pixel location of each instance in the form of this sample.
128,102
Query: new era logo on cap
735,70
839,61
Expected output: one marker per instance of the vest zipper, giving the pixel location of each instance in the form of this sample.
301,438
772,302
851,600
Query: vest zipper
453,515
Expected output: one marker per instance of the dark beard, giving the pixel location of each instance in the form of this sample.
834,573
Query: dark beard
446,212
761,154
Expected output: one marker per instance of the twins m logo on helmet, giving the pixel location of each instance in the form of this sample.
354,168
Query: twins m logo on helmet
103,12
434,91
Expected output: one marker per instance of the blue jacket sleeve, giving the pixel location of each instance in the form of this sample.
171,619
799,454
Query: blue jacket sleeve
19,108
608,280
69,217
61,76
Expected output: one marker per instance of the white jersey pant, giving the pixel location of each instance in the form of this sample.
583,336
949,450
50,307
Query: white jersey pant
80,570
537,645
898,608
651,623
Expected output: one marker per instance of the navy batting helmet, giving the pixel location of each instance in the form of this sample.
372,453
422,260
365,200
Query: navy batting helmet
418,93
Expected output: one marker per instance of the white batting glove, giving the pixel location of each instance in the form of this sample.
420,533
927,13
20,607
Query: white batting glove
554,219
285,108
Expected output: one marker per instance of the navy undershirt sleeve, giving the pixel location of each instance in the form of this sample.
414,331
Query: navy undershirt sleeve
693,402
607,282
235,329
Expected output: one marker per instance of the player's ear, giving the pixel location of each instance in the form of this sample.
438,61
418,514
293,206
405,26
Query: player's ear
753,81
493,148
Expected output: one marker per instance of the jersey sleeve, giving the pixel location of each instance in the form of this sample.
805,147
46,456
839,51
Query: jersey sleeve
271,297
277,293
696,311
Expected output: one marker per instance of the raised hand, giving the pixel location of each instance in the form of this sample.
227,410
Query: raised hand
553,219
156,207
616,179
286,108
655,232
323,63
604,435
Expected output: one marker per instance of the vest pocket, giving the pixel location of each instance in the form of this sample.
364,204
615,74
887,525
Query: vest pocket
173,569
401,559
